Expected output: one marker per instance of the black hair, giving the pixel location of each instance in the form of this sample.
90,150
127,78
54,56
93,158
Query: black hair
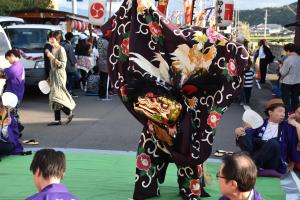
290,47
49,35
14,52
69,36
273,107
50,163
262,42
56,34
240,167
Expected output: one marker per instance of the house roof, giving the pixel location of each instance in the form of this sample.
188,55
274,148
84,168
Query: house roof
41,13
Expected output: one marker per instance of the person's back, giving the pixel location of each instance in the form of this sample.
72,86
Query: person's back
293,64
53,192
71,60
48,167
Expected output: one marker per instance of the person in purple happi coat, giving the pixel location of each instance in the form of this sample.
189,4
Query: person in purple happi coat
237,177
15,80
48,167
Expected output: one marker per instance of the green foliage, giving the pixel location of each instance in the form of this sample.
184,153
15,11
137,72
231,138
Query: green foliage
276,15
6,6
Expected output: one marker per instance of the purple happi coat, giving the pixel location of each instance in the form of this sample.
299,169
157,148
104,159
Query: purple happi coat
13,135
53,192
292,139
15,79
196,67
256,196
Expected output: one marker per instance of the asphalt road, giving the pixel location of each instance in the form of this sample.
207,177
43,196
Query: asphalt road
107,125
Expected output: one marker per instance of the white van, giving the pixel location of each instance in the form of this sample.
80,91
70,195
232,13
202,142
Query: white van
4,47
7,21
30,39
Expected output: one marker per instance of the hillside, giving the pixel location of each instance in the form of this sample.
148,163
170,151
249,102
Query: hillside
277,15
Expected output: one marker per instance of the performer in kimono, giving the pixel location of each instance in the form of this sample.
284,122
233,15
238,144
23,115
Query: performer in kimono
177,83
9,135
268,144
15,80
59,97
48,167
237,177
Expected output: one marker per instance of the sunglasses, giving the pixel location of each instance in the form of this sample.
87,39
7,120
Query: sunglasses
219,176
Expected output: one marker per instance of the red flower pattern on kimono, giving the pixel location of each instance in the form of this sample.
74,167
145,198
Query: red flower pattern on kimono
199,168
155,29
195,186
125,46
231,66
143,162
213,119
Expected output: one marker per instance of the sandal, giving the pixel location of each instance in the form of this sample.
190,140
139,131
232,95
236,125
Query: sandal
30,142
219,153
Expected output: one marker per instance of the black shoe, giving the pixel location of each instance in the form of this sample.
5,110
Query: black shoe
55,123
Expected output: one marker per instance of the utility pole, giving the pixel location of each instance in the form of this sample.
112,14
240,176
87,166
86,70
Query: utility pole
266,22
74,7
297,34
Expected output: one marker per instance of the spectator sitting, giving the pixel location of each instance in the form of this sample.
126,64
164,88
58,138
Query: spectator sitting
267,145
9,135
237,177
48,167
294,138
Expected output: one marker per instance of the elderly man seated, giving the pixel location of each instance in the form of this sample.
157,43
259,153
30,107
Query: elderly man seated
267,145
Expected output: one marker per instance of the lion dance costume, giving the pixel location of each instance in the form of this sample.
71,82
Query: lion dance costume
172,80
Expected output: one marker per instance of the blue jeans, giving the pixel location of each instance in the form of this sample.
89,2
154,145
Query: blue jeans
72,77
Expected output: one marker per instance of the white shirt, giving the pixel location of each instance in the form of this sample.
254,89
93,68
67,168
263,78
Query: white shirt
251,195
271,131
261,53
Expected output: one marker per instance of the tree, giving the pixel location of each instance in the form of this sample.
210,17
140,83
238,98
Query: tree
7,6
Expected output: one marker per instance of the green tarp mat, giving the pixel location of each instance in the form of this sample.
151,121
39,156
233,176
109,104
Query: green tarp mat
107,177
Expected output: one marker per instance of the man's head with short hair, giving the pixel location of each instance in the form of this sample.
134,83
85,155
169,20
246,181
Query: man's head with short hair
290,47
12,56
49,163
237,174
69,36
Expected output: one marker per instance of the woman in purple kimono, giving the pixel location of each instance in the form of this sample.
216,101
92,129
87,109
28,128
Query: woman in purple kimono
15,80
48,167
177,83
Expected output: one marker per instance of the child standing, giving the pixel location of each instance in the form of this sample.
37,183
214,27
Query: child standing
248,84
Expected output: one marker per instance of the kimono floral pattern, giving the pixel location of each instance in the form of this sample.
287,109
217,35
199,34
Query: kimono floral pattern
196,67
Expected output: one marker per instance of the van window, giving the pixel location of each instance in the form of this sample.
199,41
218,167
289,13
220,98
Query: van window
30,40
3,44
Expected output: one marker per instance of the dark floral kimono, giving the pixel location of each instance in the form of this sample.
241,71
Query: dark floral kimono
159,66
